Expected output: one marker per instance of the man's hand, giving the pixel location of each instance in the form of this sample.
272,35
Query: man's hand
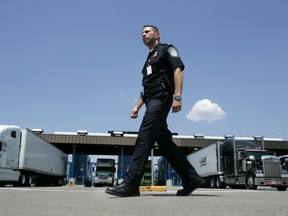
138,105
134,113
176,106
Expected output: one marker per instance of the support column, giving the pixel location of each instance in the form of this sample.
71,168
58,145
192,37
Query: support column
73,161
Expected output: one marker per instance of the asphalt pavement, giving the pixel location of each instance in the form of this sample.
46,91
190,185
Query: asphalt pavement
84,201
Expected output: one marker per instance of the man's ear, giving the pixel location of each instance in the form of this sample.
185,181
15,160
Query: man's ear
158,35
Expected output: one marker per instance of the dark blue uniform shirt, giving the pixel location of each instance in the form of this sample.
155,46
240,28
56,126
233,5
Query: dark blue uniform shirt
161,62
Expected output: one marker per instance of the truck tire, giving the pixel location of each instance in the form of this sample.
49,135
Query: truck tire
22,180
250,181
61,181
212,182
219,183
28,180
57,182
281,188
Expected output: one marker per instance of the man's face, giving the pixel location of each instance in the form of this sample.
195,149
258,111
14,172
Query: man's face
149,36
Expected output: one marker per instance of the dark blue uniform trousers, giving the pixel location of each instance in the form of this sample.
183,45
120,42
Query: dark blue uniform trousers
153,129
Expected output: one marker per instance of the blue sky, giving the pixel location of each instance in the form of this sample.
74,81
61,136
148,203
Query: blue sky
67,65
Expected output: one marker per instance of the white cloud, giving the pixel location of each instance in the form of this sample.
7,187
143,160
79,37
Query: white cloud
122,95
205,110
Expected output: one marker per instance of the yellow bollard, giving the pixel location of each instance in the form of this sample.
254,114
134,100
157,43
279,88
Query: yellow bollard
71,182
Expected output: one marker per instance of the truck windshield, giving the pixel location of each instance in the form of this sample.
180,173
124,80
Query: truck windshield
283,161
256,154
99,169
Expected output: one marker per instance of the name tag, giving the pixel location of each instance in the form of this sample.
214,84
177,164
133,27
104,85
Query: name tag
149,70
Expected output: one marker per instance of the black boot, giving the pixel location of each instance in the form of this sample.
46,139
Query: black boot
123,190
190,187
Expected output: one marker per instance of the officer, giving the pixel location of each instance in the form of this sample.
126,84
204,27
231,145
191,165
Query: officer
162,88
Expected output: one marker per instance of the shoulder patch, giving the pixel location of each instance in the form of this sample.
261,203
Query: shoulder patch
173,52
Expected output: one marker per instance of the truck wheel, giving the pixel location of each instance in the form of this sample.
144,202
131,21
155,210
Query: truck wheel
28,180
219,183
212,182
22,180
57,182
250,181
281,188
61,182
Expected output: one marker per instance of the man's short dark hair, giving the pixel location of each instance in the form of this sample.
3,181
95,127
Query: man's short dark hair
152,26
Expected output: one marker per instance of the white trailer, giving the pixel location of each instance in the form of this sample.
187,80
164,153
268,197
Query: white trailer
208,164
26,158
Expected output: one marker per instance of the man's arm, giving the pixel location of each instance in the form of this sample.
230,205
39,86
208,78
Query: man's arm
178,82
138,105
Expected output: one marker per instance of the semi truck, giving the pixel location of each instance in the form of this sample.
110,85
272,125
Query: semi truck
147,176
104,172
238,164
26,158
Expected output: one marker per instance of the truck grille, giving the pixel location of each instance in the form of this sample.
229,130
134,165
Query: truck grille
103,177
271,167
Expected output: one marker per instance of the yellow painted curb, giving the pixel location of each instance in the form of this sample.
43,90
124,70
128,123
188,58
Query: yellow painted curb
153,188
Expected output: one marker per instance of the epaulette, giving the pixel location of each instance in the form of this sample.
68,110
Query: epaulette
167,44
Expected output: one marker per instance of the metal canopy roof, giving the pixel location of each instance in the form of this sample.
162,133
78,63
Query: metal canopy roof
109,144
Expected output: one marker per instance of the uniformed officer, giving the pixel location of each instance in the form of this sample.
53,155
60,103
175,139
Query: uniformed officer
162,89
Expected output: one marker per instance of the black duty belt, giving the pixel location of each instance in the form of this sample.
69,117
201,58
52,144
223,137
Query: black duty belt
154,88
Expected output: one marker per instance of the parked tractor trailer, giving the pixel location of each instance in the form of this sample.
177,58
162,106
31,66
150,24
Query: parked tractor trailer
26,158
104,172
239,164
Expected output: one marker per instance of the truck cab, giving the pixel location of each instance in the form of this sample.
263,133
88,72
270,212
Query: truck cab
248,157
9,153
246,165
104,172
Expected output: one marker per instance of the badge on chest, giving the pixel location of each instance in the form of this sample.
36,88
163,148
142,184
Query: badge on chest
149,70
